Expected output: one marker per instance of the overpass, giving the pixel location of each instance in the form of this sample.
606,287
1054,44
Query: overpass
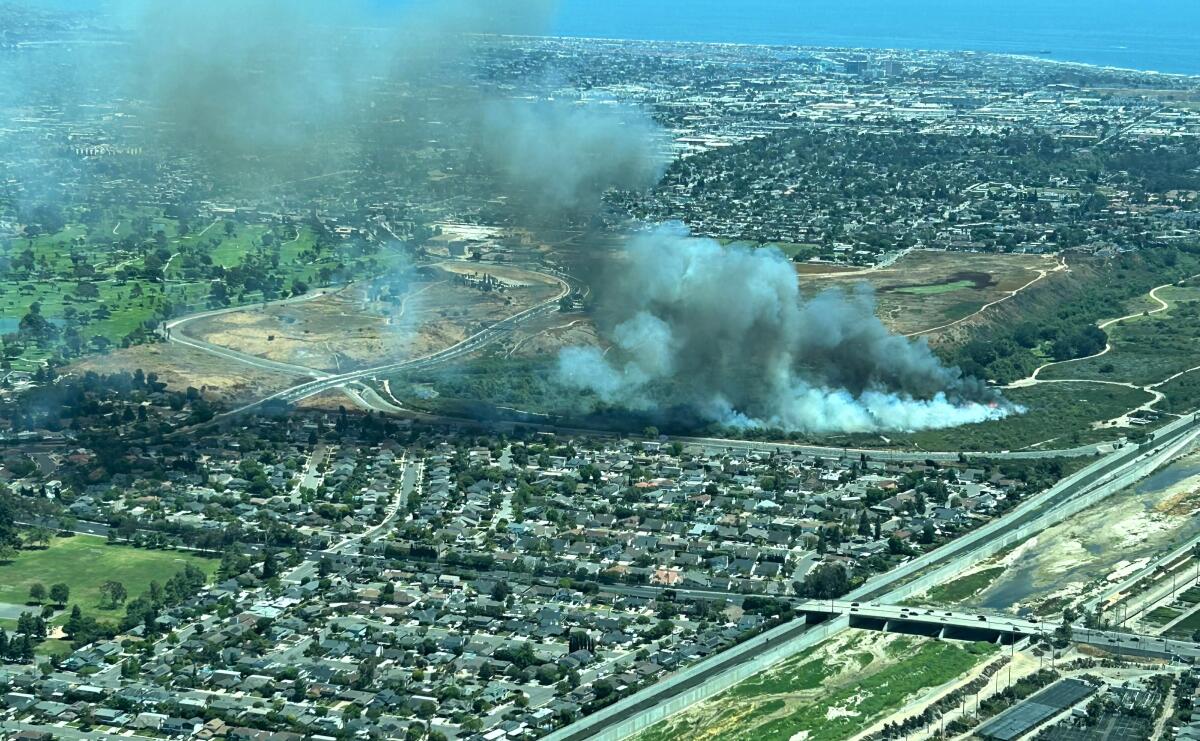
979,626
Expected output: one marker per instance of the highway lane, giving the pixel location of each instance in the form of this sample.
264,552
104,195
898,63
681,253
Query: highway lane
1108,640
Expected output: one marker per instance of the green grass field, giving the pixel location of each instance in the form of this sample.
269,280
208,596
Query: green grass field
1185,628
115,310
805,697
1163,615
84,563
963,588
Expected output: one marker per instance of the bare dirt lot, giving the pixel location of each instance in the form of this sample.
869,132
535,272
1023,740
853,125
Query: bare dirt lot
550,334
928,290
358,327
180,367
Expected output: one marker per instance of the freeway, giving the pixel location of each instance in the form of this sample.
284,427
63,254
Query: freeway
752,446
901,619
718,672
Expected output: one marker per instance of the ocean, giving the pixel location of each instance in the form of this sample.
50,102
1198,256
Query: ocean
1151,35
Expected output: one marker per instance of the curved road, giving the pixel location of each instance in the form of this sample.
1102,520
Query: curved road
175,331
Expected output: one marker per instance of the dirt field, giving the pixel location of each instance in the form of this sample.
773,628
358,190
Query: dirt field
823,268
353,328
549,335
180,367
927,290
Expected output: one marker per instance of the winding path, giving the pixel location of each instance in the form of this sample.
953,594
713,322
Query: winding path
1152,389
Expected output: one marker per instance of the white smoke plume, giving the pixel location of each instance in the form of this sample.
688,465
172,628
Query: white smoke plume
727,332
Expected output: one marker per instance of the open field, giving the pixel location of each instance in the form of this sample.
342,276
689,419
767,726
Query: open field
84,563
828,693
1161,616
1056,415
180,367
924,289
1185,628
1145,349
545,336
364,325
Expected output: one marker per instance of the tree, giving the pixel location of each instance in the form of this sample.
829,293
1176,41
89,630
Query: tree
1062,635
74,621
37,592
581,641
59,594
547,674
501,591
39,536
826,581
270,569
113,593
603,688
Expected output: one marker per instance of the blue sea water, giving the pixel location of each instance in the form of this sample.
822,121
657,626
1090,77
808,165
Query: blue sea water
1153,35
1157,35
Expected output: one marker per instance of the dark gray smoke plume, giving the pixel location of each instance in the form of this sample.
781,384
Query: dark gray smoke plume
313,86
565,155
731,332
244,77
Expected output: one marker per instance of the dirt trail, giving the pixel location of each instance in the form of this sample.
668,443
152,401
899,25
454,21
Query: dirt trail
1043,273
1153,389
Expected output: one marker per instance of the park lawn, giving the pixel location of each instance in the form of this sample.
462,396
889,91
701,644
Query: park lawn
85,562
54,647
232,249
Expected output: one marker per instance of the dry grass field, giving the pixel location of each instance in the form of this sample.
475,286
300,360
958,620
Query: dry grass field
180,367
928,290
352,329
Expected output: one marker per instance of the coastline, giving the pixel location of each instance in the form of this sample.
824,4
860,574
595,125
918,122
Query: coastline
825,48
